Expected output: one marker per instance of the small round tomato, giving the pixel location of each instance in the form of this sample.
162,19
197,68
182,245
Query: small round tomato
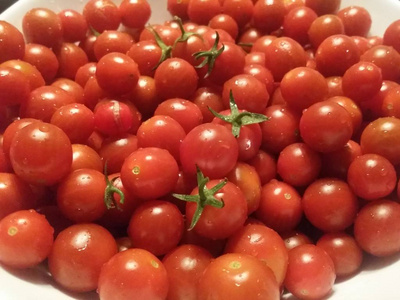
326,126
238,276
311,272
43,58
70,58
330,204
298,164
133,274
102,15
202,11
112,41
78,254
135,14
85,157
42,26
149,172
346,254
211,147
265,165
14,87
268,15
158,216
280,206
12,42
265,244
371,176
295,238
26,239
297,23
376,228
324,26
356,20
117,73
41,153
80,196
386,58
185,265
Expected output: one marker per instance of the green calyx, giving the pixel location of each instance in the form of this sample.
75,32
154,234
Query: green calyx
165,49
185,35
239,119
109,191
209,56
204,197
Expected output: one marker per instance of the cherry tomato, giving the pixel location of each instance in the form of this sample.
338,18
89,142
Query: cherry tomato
310,273
26,238
268,15
237,276
74,25
134,14
85,157
78,255
41,153
102,15
149,172
12,44
133,273
356,20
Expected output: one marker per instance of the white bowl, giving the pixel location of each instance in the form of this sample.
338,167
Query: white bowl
378,278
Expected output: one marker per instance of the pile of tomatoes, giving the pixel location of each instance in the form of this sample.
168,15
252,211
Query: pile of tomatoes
241,150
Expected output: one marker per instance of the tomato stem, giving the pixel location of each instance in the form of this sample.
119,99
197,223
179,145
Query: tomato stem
165,49
210,56
239,119
204,197
109,191
185,35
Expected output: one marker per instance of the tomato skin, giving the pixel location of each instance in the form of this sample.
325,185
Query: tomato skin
297,23
356,20
78,255
324,26
376,228
74,25
84,156
371,176
134,14
311,272
330,204
133,274
149,172
80,196
41,153
382,136
158,216
15,194
212,147
280,206
268,15
265,165
102,15
112,41
12,42
326,126
201,11
295,238
346,254
185,265
43,58
220,223
386,58
237,276
263,243
42,26
14,87
26,239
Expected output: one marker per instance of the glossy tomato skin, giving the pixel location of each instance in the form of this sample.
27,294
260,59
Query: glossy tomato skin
356,20
326,126
263,243
41,153
158,216
26,238
185,265
43,58
376,228
133,274
13,44
80,196
212,147
78,254
84,156
219,223
346,254
14,87
102,15
311,272
280,206
382,136
386,58
330,204
149,172
238,276
324,26
371,176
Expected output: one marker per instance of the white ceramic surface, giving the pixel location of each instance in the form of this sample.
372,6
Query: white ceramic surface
378,278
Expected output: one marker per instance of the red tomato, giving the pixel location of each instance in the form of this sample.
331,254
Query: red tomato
265,244
78,255
26,239
330,204
149,172
311,272
158,216
12,44
185,265
41,153
238,276
212,147
377,227
131,274
102,15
